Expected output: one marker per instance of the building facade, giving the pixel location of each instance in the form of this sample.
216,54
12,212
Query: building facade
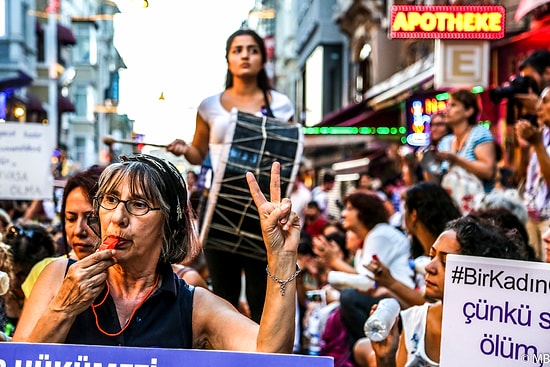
370,97
60,66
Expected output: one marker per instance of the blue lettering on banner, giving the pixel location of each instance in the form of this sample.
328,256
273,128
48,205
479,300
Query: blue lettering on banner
64,355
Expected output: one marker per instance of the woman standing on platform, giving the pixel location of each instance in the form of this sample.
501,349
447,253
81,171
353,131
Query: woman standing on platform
248,89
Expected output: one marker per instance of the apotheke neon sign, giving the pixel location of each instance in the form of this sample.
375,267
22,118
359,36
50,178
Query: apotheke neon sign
448,22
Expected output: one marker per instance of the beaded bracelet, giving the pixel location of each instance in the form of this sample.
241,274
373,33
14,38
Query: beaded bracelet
283,283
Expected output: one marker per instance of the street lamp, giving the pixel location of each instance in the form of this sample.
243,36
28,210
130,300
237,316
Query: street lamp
51,61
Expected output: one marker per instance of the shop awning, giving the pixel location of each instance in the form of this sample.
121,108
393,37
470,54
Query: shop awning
13,79
344,114
34,104
402,84
359,115
388,117
64,104
65,35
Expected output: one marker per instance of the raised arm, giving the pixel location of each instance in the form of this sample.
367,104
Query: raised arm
484,166
533,136
405,295
219,325
281,233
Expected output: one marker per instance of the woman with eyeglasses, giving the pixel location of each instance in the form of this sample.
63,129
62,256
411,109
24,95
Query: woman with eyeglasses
28,244
78,237
441,136
128,295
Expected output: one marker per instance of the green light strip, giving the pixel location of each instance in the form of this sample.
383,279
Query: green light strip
345,130
446,95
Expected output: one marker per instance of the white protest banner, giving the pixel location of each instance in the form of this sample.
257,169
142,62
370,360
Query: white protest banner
65,355
495,313
25,161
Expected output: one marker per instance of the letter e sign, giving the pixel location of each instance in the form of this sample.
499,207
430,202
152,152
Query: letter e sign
461,64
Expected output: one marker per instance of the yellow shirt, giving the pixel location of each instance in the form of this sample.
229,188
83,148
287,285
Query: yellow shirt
35,272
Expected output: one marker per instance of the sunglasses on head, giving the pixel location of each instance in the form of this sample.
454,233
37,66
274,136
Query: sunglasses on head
15,231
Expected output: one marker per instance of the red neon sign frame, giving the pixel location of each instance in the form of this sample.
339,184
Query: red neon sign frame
483,22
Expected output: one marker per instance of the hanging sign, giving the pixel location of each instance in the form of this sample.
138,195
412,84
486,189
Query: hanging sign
448,22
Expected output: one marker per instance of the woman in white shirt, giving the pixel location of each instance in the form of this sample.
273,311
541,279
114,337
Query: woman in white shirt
248,89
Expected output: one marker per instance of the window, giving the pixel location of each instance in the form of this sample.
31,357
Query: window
85,50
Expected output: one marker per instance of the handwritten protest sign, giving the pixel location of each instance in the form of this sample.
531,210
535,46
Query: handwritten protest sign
495,313
51,355
25,160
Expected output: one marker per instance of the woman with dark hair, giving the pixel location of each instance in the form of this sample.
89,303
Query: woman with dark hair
473,146
248,89
77,237
428,209
420,338
80,188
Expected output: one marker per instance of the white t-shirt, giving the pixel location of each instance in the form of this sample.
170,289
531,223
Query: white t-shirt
300,197
414,327
218,118
321,198
393,250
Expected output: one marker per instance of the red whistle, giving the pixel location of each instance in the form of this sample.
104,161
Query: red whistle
375,257
109,243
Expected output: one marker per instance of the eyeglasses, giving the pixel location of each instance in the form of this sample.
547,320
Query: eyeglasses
133,206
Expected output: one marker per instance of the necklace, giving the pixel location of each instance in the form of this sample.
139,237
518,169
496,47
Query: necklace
131,315
461,139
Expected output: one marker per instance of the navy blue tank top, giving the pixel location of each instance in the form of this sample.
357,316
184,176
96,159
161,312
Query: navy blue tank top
164,320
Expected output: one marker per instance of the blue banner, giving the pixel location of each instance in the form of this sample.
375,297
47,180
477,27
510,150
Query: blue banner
65,355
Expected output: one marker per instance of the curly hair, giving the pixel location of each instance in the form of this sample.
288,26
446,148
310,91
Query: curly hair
29,243
506,219
480,237
370,207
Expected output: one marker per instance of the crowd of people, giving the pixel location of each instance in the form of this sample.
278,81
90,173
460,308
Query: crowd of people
495,215
121,268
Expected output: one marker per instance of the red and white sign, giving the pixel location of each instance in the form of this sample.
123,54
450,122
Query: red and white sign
447,22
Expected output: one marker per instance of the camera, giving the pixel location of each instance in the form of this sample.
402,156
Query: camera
517,84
